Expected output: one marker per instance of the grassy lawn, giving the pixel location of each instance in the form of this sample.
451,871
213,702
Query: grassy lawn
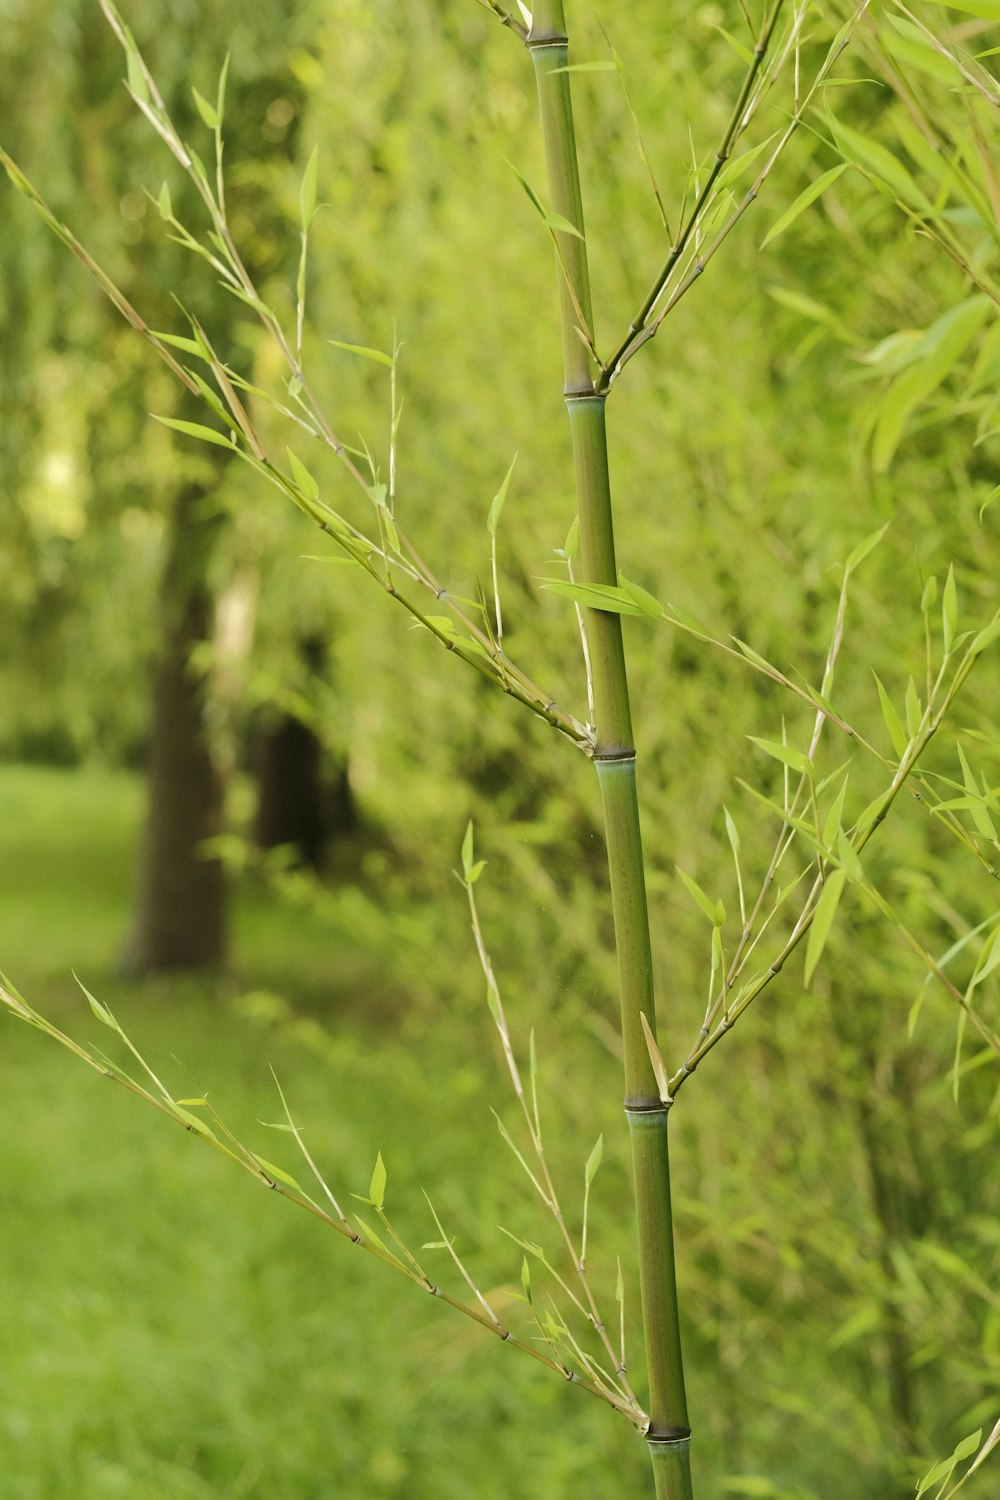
169,1329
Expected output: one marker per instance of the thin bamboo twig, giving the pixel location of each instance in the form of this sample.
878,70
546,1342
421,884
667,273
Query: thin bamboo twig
722,154
545,1187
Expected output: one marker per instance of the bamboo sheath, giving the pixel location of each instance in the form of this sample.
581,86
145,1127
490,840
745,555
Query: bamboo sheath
668,1436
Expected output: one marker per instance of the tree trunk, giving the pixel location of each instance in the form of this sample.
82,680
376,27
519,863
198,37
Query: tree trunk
304,796
180,919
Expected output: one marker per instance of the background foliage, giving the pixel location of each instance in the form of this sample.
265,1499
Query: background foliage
836,1207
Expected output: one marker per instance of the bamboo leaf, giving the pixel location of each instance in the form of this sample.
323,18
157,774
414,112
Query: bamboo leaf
802,202
363,351
881,163
861,551
207,111
714,910
826,910
376,1191
640,596
986,10
742,51
586,67
602,596
100,1011
526,1279
848,856
929,596
303,479
370,1234
496,508
831,825
467,850
164,203
220,93
307,191
563,225
942,345
594,1161
897,734
989,958
787,754
732,832
133,69
986,637
949,609
196,430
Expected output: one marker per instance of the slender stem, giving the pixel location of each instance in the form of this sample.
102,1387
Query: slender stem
614,754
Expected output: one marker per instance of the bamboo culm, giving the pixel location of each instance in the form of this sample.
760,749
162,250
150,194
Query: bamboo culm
669,1434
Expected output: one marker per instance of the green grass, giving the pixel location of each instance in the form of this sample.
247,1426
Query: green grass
172,1330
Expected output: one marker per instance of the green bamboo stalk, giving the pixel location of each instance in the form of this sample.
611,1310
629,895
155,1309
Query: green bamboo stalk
669,1434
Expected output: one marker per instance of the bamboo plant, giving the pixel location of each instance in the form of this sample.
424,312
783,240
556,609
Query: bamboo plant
812,812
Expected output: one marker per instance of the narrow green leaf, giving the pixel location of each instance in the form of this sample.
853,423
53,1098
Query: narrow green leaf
100,1011
802,202
861,551
880,161
194,429
602,596
496,508
533,197
640,596
897,734
796,759
207,111
986,10
848,856
179,341
370,1233
986,637
594,1161
994,494
192,1122
949,609
467,850
307,485
586,67
308,188
376,1191
714,910
929,596
742,51
526,1278
686,622
563,225
164,203
914,711
732,832
133,70
572,542
831,825
989,958
363,351
826,910
220,93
